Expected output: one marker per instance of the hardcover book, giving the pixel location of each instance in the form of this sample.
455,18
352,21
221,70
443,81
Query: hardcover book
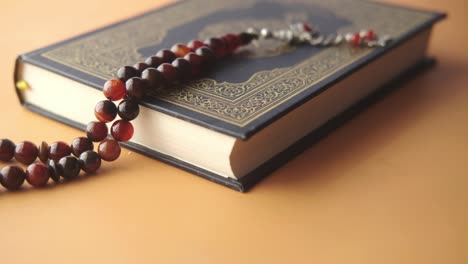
256,110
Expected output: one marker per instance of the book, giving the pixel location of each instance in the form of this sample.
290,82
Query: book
256,110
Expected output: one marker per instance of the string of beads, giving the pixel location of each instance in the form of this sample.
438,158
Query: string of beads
181,63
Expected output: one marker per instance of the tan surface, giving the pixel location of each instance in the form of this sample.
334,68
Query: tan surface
388,187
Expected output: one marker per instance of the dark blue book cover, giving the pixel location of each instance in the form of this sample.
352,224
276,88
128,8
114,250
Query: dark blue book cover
258,85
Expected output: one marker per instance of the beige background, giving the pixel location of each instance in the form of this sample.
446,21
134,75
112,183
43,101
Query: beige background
388,187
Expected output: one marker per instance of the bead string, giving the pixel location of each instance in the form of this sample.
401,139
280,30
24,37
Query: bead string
158,73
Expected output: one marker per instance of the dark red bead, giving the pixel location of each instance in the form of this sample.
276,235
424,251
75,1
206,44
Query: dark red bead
140,66
58,150
122,130
127,72
370,35
37,174
306,27
183,67
44,152
114,89
90,161
355,39
7,150
245,38
166,55
54,170
180,50
128,109
69,167
208,57
136,87
196,62
232,42
195,44
105,111
218,46
26,152
154,78
80,145
169,73
154,61
12,177
96,131
109,150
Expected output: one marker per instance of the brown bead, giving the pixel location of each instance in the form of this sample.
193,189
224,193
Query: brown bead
12,177
196,62
122,130
195,44
166,55
208,57
80,145
184,68
154,78
245,38
154,61
136,87
26,152
114,89
96,131
58,150
128,109
169,73
69,167
54,170
140,67
180,50
109,150
218,46
44,152
7,150
37,174
232,42
90,161
105,111
127,72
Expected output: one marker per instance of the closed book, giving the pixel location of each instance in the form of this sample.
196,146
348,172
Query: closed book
256,109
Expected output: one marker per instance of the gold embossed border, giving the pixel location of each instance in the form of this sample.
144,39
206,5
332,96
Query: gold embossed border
235,103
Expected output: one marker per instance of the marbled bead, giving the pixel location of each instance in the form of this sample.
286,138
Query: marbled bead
218,46
54,170
12,177
26,152
180,50
109,150
90,161
122,130
69,167
232,42
195,44
128,109
44,151
127,72
105,111
245,38
58,150
196,62
80,145
184,68
37,174
154,78
141,66
168,72
208,57
114,89
166,55
154,61
136,87
96,131
7,150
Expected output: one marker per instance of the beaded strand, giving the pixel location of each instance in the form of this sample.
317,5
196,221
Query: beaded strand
181,63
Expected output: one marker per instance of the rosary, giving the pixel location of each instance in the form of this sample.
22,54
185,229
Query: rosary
179,64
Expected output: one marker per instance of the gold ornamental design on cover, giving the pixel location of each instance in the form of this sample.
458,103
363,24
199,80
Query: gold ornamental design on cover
238,103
